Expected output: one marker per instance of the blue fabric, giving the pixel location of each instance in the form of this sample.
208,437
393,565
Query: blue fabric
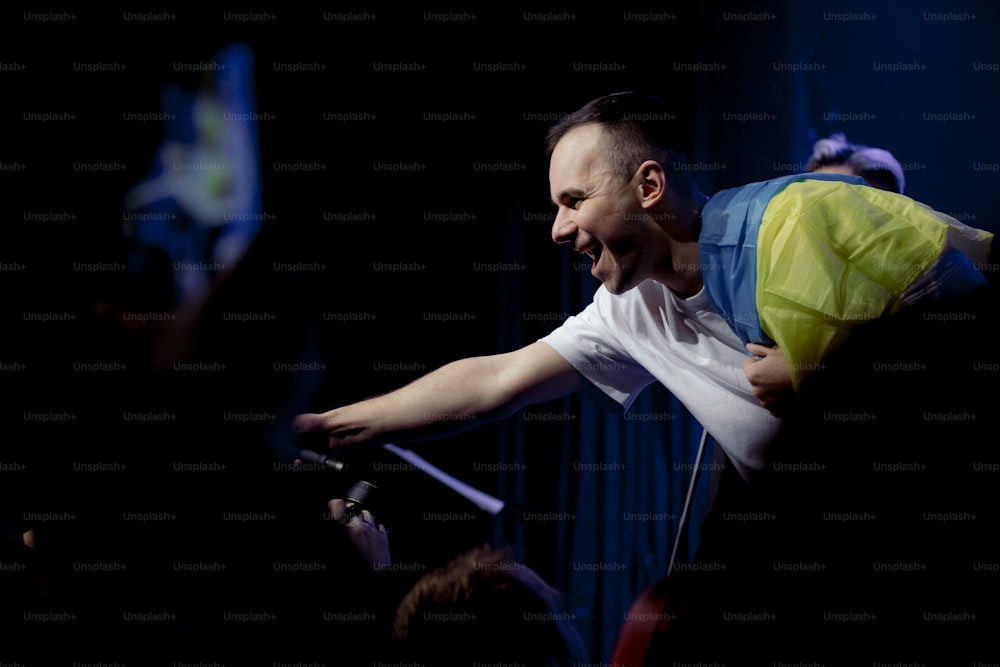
727,246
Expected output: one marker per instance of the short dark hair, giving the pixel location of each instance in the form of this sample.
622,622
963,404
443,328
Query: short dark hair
638,127
498,608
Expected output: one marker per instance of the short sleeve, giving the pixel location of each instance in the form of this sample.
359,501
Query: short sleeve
590,343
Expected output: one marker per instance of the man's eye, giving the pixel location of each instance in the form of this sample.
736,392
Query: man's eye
575,201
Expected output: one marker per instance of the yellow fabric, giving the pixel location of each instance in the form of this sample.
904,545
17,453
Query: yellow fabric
832,255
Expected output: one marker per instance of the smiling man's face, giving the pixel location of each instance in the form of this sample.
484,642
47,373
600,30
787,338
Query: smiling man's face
599,213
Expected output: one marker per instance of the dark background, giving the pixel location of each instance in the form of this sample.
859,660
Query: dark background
752,86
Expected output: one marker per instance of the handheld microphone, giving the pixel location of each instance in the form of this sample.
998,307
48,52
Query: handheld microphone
361,495
310,456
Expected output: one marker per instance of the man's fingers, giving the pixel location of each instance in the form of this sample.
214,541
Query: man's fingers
760,350
306,423
753,372
337,508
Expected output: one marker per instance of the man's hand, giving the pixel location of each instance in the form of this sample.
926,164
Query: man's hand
371,542
338,427
768,374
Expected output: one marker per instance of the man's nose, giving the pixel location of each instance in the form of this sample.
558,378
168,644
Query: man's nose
563,227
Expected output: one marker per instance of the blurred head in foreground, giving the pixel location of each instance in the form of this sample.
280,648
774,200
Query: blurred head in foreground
483,606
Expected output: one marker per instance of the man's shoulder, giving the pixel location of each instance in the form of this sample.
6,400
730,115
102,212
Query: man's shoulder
778,183
728,212
647,297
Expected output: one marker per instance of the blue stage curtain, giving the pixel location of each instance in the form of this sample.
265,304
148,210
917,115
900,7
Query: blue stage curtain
610,488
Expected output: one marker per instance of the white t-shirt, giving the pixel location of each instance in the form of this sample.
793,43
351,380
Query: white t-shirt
623,343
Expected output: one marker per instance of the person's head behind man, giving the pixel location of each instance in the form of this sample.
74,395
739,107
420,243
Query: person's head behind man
624,193
483,607
835,154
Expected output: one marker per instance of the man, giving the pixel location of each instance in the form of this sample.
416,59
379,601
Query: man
639,231
682,301
734,303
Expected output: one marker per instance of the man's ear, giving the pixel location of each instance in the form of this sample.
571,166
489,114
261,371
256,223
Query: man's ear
652,183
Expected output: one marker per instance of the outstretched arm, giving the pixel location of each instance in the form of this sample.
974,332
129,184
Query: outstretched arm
456,397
